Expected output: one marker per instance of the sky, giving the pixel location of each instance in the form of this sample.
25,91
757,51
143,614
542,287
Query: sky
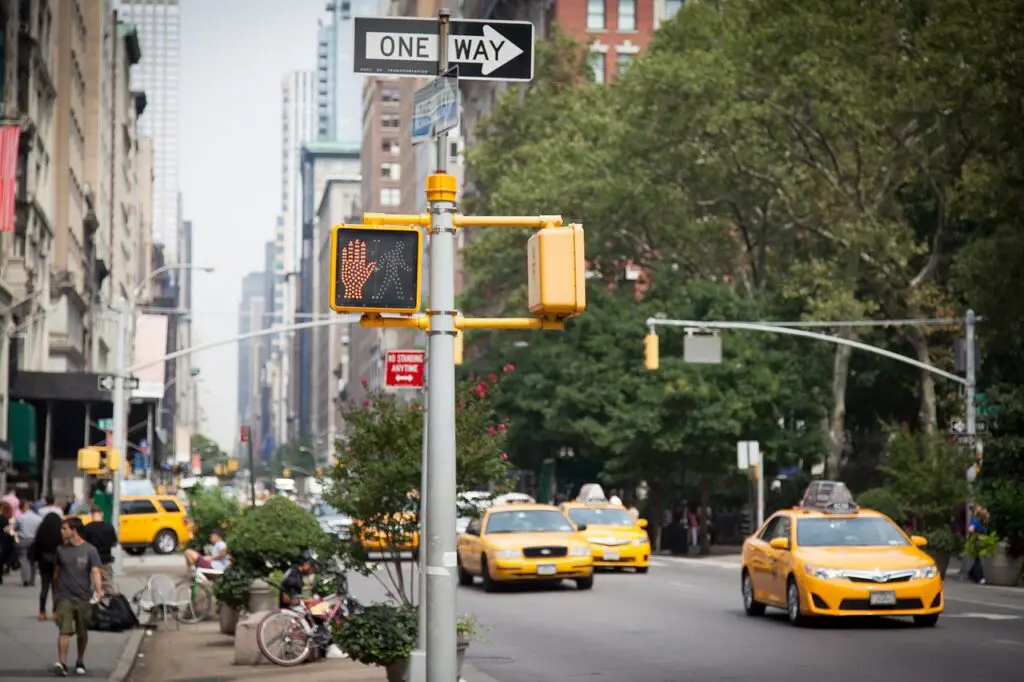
234,54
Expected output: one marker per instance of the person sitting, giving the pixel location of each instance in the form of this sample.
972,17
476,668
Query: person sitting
216,561
293,582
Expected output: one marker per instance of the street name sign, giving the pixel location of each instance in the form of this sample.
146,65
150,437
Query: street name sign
436,107
404,368
105,424
105,382
483,49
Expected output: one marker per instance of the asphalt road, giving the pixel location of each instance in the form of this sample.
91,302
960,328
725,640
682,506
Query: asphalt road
684,621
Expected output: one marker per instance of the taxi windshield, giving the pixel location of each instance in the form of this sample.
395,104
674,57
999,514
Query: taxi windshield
601,517
860,531
528,521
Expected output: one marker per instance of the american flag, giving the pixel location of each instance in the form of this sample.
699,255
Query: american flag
9,134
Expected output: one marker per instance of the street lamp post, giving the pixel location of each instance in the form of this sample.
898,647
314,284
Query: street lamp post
125,319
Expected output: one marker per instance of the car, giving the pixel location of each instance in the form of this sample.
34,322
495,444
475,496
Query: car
617,540
521,543
332,521
159,522
828,557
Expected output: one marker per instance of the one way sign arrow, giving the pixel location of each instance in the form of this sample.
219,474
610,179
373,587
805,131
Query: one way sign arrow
483,49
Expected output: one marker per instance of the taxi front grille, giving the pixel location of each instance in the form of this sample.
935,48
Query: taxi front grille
545,552
865,605
875,581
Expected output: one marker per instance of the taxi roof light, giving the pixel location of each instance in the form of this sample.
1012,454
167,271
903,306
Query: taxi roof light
830,497
591,492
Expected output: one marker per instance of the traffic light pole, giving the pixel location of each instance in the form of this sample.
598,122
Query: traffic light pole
120,427
439,549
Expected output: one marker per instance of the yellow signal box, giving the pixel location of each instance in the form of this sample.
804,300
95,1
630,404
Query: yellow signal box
376,269
557,272
459,347
95,460
89,459
286,472
232,465
651,351
218,470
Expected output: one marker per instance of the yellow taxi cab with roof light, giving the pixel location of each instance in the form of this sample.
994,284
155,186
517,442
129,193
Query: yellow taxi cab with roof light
829,557
617,540
524,542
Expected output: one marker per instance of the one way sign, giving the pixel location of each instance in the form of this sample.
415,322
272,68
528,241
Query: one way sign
484,50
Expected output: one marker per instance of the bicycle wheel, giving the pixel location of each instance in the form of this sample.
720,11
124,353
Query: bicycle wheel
284,638
199,600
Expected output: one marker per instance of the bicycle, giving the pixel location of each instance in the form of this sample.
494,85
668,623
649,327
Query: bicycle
305,631
198,592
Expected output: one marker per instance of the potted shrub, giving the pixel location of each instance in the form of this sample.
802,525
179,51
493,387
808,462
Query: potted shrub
232,592
467,629
1004,499
943,545
210,509
381,634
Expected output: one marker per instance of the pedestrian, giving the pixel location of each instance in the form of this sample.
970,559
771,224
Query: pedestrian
78,584
50,507
977,528
44,551
101,534
26,527
6,538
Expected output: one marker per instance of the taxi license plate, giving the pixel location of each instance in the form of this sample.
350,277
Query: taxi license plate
611,556
883,599
546,569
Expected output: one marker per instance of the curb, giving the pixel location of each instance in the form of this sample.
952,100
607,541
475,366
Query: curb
471,674
128,656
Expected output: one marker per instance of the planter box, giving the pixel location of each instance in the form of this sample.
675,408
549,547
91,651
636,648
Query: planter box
228,619
398,671
1002,569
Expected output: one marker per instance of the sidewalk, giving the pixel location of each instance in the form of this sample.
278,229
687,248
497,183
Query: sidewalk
28,648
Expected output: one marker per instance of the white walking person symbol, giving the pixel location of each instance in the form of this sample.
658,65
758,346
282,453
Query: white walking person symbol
392,265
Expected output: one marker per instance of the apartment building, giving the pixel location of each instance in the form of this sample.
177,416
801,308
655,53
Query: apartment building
338,86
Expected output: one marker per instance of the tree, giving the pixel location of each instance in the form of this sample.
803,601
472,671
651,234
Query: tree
208,450
377,476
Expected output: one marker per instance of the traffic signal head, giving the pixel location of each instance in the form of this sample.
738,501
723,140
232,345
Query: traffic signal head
286,472
89,459
557,272
459,347
99,459
376,269
651,351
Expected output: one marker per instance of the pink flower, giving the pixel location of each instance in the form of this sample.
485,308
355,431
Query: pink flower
481,389
366,403
492,377
364,381
508,368
504,457
501,428
491,431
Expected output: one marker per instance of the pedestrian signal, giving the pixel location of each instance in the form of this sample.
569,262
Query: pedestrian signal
557,272
98,460
376,269
651,351
458,350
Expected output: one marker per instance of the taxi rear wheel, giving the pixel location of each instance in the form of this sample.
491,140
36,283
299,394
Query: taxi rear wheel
926,621
793,603
750,605
465,577
485,573
642,569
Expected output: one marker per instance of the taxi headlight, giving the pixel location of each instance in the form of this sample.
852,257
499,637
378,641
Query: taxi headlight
582,550
507,554
926,572
823,573
638,542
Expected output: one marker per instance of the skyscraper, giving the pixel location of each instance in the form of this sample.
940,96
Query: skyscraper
339,98
159,28
251,352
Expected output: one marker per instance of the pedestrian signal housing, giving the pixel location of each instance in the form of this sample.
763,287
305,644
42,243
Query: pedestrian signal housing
651,351
557,272
459,348
376,269
98,460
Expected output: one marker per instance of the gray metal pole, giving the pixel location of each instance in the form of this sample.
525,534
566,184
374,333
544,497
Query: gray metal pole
440,545
120,425
252,470
417,660
970,415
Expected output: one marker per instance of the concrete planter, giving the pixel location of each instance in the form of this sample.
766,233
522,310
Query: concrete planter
228,619
461,656
1002,569
398,671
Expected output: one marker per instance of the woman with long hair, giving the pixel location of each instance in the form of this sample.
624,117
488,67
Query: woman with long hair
48,539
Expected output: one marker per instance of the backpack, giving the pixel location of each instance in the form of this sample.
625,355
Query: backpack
113,615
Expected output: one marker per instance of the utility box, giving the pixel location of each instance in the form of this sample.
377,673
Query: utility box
557,272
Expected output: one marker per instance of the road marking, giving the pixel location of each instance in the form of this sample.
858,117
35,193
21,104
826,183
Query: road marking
1008,641
707,563
976,602
676,583
986,616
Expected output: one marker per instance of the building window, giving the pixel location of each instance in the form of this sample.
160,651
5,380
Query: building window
623,60
597,60
390,147
672,8
595,15
390,196
391,171
627,15
390,121
390,95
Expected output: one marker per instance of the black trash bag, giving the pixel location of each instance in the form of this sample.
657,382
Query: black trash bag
113,615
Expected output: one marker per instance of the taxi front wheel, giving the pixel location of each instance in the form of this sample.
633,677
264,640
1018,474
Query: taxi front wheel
793,607
490,585
585,583
926,621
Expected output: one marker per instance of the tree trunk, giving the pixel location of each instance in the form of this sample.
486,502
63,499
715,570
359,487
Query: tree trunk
657,516
927,410
702,515
837,416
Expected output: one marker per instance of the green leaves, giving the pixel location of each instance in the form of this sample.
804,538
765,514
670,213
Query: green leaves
380,634
274,535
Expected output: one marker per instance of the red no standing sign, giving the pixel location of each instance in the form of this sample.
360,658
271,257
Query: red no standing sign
404,368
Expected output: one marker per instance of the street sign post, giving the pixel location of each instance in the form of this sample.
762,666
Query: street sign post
375,269
404,368
436,107
106,382
748,455
105,424
483,49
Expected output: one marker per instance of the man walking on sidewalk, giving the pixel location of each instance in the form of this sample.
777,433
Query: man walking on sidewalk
77,585
101,535
26,526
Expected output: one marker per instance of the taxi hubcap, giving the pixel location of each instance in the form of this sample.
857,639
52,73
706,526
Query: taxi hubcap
165,543
794,602
747,591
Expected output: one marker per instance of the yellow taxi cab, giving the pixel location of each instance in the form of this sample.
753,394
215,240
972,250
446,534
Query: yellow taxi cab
379,540
828,557
159,522
616,539
524,542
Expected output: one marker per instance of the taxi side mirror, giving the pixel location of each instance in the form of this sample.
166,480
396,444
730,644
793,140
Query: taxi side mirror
641,523
919,540
581,526
779,543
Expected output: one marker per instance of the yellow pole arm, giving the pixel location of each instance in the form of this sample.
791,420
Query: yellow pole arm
419,219
539,221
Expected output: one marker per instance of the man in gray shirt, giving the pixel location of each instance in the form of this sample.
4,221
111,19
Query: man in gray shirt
77,584
26,527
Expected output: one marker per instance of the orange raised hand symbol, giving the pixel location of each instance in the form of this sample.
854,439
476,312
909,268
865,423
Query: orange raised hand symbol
354,268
